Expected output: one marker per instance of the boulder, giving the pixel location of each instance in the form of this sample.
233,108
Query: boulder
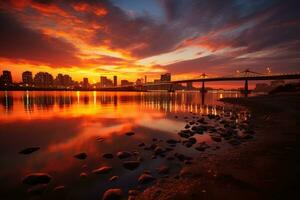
112,194
37,178
145,178
102,170
131,165
81,156
130,133
124,154
29,150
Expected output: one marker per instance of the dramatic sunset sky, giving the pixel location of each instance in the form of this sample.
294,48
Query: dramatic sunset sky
133,38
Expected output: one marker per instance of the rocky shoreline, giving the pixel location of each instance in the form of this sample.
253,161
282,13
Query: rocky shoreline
266,167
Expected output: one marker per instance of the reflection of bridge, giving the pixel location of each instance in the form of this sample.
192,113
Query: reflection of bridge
246,76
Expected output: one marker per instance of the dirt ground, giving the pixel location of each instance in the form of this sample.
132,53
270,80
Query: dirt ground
266,167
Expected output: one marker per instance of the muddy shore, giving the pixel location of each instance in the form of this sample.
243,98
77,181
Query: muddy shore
266,167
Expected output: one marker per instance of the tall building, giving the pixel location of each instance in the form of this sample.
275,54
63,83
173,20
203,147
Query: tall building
6,77
165,77
115,81
126,83
85,82
27,77
145,80
105,82
43,79
63,80
139,82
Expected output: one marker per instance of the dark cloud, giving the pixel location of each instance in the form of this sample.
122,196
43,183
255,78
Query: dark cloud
20,42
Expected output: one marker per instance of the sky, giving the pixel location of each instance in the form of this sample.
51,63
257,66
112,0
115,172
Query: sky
134,38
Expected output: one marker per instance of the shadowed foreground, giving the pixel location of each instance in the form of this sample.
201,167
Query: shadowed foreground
266,167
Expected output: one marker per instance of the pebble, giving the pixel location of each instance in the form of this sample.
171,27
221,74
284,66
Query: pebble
37,178
102,170
113,194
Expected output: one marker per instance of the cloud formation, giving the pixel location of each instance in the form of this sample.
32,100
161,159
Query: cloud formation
189,36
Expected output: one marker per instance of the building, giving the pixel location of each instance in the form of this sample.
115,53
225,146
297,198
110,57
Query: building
126,83
43,79
85,83
27,77
63,80
115,81
105,82
165,77
6,77
145,80
139,82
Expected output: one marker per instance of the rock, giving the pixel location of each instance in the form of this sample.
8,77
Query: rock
124,154
201,146
170,158
130,133
37,178
163,169
187,126
131,165
113,194
107,155
158,150
234,142
145,178
29,150
37,189
142,144
102,170
113,178
133,192
216,138
192,140
59,188
83,175
182,157
100,139
151,147
172,141
81,156
185,172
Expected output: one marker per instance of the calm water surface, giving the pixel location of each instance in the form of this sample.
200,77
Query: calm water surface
67,123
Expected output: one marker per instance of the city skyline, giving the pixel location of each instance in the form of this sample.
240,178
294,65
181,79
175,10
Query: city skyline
86,38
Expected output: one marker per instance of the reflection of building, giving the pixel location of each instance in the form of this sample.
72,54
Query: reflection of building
126,83
6,77
43,79
115,81
105,82
165,77
27,77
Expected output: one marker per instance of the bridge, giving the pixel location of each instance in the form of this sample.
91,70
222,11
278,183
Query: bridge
245,76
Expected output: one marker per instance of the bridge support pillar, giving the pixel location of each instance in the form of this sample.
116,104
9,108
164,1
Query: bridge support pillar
203,87
246,90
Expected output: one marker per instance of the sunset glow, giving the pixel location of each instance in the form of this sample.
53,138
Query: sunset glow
130,40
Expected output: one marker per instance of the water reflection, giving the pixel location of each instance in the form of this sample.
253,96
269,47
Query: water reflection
66,123
162,101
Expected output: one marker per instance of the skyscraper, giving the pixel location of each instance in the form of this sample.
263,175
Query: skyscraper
43,79
27,77
6,77
115,81
85,82
165,77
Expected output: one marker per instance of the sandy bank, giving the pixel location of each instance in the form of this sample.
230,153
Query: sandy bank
267,167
